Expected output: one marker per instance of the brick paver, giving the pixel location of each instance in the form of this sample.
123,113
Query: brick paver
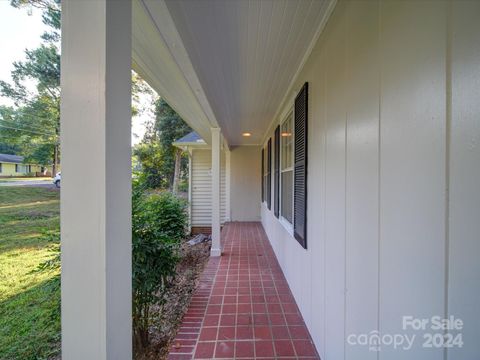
243,307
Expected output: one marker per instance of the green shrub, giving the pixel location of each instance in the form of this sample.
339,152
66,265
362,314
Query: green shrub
159,222
183,185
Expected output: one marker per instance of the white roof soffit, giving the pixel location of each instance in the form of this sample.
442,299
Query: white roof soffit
231,63
159,57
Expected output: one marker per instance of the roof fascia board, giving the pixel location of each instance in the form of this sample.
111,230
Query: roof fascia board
153,60
166,26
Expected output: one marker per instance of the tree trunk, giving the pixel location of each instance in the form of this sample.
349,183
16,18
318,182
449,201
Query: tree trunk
176,175
55,160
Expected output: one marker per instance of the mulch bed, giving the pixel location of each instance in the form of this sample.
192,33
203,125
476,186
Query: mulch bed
167,318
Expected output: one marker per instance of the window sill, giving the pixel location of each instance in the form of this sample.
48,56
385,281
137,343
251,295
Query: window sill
286,224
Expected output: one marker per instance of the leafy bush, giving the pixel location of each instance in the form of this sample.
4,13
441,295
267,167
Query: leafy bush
183,186
159,222
150,159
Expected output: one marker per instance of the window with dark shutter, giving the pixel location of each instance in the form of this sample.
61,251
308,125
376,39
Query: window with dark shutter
269,174
276,179
300,166
286,169
263,178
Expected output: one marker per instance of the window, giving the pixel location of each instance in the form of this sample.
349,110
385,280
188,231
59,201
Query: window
0,168
21,168
286,168
293,167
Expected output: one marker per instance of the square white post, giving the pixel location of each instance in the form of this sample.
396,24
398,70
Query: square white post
228,181
96,180
216,148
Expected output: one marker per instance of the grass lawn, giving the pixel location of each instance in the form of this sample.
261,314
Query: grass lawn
24,179
29,299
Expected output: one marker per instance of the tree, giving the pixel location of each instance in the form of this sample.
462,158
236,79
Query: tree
170,127
33,123
150,155
140,88
8,149
162,164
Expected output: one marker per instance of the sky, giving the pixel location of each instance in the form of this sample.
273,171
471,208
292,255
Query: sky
18,31
21,29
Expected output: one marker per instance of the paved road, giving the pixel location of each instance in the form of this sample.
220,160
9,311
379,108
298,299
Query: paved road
35,183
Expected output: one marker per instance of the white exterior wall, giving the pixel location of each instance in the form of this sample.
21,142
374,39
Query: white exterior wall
463,231
245,188
394,168
201,188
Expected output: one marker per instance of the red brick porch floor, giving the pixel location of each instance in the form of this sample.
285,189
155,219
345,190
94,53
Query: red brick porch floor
243,307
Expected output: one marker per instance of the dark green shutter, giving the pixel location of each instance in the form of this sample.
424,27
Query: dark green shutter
300,166
269,174
261,175
276,179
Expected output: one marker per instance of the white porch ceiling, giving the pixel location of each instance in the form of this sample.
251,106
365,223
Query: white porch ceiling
243,55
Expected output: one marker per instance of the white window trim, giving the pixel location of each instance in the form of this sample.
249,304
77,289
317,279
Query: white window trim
287,224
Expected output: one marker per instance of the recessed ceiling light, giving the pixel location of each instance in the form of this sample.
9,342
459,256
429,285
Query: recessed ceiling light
286,134
246,134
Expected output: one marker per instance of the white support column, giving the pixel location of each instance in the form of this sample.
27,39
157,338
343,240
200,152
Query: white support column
216,148
96,179
190,154
228,180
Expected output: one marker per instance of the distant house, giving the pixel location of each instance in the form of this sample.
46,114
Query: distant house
200,184
13,165
238,197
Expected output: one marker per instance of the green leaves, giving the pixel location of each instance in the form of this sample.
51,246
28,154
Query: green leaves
156,153
33,124
159,222
42,65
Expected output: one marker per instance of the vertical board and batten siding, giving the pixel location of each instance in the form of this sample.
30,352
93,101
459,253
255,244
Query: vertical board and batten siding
463,295
394,168
362,182
201,206
412,167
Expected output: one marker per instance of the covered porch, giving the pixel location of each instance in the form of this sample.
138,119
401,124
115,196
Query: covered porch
373,104
243,307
